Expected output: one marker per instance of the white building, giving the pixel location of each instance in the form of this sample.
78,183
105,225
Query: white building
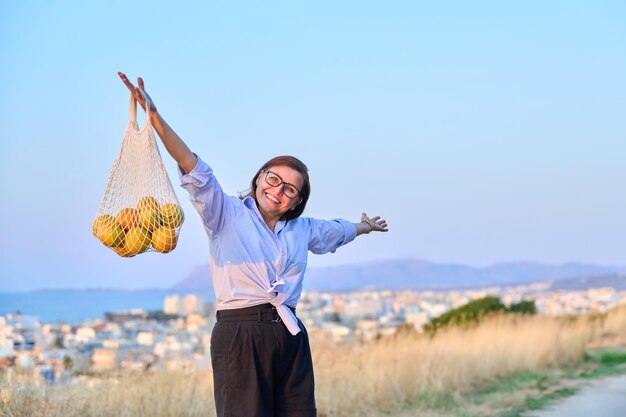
145,338
190,304
417,318
173,305
6,339
194,304
85,334
104,360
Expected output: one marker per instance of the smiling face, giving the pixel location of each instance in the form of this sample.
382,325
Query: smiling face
272,201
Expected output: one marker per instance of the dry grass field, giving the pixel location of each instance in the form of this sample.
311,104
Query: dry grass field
406,375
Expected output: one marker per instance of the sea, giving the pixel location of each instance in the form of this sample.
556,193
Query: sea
76,306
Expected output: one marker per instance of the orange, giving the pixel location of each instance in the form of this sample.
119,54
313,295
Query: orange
128,218
147,202
100,221
111,234
149,218
172,215
123,252
164,239
137,241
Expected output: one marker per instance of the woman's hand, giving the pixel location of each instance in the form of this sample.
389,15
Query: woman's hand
375,224
173,143
139,93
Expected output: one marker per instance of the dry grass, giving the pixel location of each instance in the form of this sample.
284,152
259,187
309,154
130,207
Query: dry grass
362,381
158,394
405,375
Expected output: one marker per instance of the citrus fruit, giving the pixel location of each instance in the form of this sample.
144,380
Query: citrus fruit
149,218
123,251
111,234
147,202
164,239
171,215
128,218
137,240
100,221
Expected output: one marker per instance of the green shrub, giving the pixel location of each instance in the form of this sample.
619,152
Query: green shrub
613,358
476,310
523,307
471,312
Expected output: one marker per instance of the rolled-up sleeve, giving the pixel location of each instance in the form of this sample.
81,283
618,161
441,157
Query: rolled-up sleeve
207,197
328,235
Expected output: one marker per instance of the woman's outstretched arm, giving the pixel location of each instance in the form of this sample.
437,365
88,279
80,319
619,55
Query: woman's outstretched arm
367,225
172,142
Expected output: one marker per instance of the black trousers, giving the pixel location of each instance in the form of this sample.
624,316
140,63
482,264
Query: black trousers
259,368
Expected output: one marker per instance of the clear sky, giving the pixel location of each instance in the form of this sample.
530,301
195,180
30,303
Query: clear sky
482,131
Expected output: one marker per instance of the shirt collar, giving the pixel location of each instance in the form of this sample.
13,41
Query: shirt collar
251,204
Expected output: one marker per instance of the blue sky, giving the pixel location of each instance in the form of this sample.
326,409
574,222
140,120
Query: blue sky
484,133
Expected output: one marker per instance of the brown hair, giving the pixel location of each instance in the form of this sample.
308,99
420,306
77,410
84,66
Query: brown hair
293,163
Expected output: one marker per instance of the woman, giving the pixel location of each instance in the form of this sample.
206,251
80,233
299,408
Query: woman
258,245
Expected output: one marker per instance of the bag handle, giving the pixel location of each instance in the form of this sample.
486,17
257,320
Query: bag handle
132,112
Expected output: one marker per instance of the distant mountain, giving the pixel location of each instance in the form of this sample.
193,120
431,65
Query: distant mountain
617,281
198,279
419,274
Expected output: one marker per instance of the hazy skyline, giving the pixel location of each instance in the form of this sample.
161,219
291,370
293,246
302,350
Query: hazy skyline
482,132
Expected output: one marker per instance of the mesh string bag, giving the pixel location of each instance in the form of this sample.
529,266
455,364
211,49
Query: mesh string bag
139,211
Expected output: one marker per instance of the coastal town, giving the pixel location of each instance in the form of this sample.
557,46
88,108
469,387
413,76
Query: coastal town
179,336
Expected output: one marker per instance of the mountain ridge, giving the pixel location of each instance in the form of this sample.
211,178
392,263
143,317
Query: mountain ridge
420,274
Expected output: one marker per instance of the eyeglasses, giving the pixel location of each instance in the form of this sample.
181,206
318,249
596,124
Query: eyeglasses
275,180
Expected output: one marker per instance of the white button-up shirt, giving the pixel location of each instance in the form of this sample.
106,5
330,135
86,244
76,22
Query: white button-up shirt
250,264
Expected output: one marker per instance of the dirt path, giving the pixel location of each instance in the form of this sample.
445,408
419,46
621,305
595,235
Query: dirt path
605,397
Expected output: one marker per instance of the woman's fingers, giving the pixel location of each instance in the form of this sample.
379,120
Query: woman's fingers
145,96
138,92
139,98
376,222
381,223
134,90
140,83
128,84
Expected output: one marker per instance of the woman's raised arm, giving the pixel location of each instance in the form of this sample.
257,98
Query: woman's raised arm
172,142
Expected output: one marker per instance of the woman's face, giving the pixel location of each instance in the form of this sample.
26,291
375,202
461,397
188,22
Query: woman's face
272,200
